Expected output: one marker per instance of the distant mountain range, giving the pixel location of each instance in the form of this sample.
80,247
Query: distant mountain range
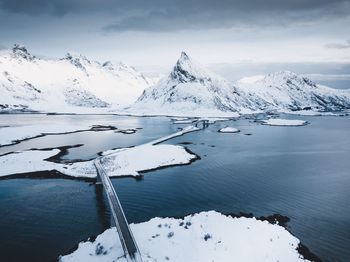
77,84
192,89
73,83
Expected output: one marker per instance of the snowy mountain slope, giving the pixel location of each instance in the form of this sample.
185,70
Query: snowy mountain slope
286,90
71,84
192,90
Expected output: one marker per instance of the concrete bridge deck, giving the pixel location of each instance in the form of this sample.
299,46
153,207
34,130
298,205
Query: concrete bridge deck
131,251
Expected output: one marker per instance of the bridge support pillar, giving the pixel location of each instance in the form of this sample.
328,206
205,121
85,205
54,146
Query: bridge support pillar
98,179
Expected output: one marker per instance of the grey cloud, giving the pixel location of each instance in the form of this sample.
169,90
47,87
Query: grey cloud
34,7
153,13
64,6
187,15
339,45
163,21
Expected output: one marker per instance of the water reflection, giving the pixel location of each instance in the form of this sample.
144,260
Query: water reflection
101,206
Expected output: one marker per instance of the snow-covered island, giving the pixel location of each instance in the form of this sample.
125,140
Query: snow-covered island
284,122
205,237
228,129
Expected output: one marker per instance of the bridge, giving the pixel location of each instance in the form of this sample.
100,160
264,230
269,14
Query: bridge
131,251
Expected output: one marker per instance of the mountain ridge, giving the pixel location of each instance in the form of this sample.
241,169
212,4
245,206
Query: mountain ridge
73,83
77,84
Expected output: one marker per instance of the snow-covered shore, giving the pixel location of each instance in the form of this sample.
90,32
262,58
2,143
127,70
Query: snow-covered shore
14,134
131,161
207,236
121,162
283,122
117,162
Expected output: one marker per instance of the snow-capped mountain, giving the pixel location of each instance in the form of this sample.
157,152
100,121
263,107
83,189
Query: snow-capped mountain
191,89
71,84
286,90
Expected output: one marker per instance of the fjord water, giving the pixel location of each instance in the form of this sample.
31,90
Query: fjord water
301,172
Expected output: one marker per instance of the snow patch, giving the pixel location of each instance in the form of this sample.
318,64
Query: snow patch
13,134
186,121
284,122
229,129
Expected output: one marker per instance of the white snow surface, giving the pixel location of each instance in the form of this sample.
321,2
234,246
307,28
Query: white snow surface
185,121
284,122
71,84
203,237
192,90
180,118
228,129
316,113
120,162
35,160
130,161
12,134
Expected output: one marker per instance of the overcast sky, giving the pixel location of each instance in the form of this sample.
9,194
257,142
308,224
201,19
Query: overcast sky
154,32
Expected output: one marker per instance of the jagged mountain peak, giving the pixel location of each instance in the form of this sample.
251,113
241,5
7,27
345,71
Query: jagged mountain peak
120,66
108,64
184,56
19,50
185,62
71,56
190,87
187,70
78,60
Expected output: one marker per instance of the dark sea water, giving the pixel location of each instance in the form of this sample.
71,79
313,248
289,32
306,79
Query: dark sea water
300,172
